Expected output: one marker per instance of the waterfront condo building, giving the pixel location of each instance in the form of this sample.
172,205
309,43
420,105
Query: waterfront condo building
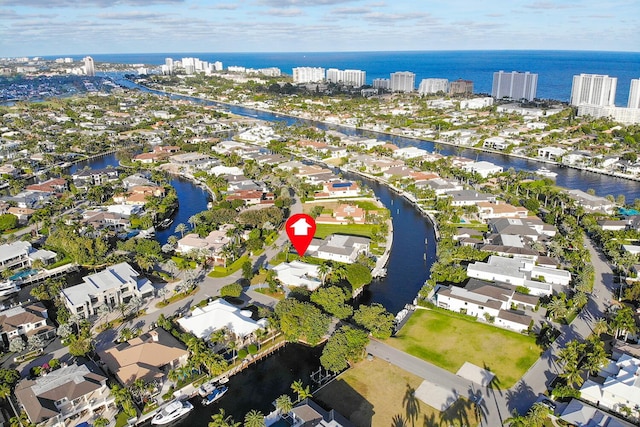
89,66
514,85
634,94
403,81
593,89
308,74
428,86
354,78
381,84
461,87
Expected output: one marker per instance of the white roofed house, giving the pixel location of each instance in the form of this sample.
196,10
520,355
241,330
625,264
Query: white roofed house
484,169
21,254
220,314
339,247
113,286
211,246
621,387
591,202
299,274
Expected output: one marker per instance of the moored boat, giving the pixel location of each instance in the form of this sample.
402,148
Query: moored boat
546,172
216,394
172,412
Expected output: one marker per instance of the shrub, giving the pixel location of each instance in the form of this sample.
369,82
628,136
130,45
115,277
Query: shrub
253,349
233,290
242,353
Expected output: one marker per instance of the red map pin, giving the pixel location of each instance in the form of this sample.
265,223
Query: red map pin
300,229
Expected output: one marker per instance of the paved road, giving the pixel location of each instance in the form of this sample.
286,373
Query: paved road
498,404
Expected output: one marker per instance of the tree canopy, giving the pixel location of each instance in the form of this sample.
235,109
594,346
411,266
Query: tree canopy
345,346
302,321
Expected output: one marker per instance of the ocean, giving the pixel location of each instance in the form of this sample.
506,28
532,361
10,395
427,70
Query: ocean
555,69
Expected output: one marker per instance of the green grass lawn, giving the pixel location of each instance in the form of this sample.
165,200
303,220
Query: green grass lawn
447,340
224,272
323,230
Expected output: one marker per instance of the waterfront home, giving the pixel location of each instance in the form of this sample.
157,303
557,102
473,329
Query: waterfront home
409,153
309,414
338,188
54,186
109,288
21,254
217,315
469,197
551,153
92,177
620,389
75,392
24,322
498,209
441,185
496,142
592,203
483,168
531,227
487,300
251,197
339,247
298,274
149,357
518,272
102,219
193,160
581,414
343,214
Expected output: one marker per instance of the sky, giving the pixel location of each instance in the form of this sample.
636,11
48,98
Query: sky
57,27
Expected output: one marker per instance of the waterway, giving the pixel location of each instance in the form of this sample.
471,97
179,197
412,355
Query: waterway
192,198
567,177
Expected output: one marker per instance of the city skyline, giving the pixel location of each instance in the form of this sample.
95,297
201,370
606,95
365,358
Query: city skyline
62,27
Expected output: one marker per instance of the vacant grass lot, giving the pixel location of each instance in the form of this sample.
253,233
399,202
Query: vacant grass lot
323,230
373,393
448,340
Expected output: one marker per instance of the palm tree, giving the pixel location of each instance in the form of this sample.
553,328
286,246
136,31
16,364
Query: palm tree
537,414
580,299
596,356
21,421
624,322
193,220
284,404
221,419
254,418
557,308
302,391
600,326
323,271
572,375
181,228
516,420
5,391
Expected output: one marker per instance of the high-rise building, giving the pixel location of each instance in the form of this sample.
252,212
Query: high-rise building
634,94
308,74
382,84
403,81
593,89
89,66
168,62
354,78
514,85
428,86
460,87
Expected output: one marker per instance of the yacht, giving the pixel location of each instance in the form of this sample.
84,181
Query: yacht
165,223
172,412
9,287
216,394
546,172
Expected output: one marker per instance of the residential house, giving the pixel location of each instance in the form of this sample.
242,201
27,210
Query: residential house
339,247
338,188
309,414
148,357
441,185
194,160
139,195
409,153
620,389
25,321
519,272
54,185
30,199
211,246
551,153
217,315
483,299
483,168
496,142
469,197
343,214
23,214
613,225
581,414
101,219
75,392
92,177
497,209
298,274
109,288
251,197
21,254
592,203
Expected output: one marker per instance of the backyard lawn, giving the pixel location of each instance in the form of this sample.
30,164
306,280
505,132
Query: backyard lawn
374,393
448,340
323,230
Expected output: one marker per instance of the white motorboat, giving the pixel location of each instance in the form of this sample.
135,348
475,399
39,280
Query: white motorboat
206,389
172,412
546,173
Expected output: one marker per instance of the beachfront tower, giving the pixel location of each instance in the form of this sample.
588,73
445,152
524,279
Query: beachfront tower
89,66
593,89
514,85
